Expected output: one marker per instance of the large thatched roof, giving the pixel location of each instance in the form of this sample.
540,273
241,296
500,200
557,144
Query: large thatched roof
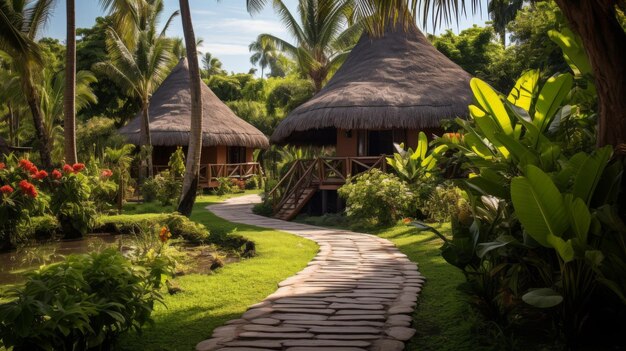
396,81
170,111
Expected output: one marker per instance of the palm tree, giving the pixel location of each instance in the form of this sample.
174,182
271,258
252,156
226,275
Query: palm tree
20,22
212,65
52,105
264,54
141,70
321,43
192,170
502,12
69,124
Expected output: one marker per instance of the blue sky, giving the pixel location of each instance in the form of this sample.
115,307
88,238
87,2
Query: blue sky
225,26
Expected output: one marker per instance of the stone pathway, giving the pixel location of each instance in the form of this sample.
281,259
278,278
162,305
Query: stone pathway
358,293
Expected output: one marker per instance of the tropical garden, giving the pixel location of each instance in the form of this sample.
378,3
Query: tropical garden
515,213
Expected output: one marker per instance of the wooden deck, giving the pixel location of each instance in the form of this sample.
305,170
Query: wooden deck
211,173
305,177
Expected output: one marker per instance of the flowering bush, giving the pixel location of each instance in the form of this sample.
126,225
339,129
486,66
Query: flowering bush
19,197
71,202
377,197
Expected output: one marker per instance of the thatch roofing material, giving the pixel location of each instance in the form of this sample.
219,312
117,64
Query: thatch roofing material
397,81
170,117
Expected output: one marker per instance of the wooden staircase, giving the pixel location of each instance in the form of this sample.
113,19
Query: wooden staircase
306,177
294,203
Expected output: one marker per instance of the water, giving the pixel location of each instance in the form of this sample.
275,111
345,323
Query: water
14,264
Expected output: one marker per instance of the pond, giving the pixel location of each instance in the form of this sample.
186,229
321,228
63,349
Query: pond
14,264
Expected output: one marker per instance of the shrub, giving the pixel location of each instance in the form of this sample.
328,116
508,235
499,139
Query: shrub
263,209
187,229
378,197
150,190
445,201
228,186
43,227
176,163
85,302
169,188
19,198
71,201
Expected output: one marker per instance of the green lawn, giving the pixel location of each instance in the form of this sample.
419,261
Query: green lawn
210,300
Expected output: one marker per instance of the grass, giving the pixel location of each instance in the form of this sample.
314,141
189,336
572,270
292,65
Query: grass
210,300
443,319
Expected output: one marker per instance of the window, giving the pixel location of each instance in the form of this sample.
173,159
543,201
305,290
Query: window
236,154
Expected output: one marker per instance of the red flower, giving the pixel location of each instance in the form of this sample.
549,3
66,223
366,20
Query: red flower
6,189
40,175
68,168
28,166
56,174
106,173
164,234
28,188
2,166
77,167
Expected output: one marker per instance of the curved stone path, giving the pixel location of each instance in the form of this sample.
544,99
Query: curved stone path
358,293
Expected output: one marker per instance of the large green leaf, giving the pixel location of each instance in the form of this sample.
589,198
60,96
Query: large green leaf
590,172
520,153
488,127
422,146
580,218
550,99
542,298
490,101
573,50
524,90
539,206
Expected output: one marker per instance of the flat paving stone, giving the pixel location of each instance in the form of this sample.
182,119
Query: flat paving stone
356,294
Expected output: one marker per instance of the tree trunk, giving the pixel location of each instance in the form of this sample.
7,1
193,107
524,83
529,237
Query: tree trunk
32,98
595,21
69,108
146,142
192,171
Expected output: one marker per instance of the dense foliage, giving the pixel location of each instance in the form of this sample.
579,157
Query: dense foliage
85,302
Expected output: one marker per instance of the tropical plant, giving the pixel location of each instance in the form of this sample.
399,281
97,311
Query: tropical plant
264,54
322,36
501,13
192,169
212,65
139,66
20,24
414,166
119,161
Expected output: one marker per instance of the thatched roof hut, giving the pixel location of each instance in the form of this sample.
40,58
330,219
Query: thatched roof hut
396,81
170,117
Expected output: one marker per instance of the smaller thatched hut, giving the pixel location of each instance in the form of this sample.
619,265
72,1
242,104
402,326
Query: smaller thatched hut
388,89
228,141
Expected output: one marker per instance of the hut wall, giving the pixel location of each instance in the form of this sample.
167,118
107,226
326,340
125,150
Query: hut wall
346,143
249,154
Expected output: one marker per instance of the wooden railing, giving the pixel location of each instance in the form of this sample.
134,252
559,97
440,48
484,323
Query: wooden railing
321,171
210,173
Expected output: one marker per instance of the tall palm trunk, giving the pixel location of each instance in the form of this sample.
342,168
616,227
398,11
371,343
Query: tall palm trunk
33,100
146,141
192,171
605,43
69,123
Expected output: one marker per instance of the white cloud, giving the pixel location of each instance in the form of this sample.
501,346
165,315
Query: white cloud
242,25
223,49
